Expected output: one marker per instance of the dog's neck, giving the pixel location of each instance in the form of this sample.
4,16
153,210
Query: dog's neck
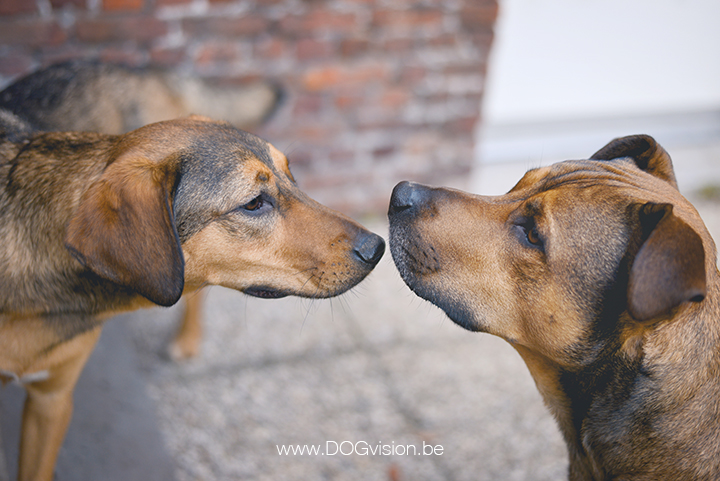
664,368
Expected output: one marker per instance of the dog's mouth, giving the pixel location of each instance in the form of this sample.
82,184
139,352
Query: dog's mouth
420,268
265,292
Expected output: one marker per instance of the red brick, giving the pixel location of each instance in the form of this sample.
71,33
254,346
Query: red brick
324,78
308,48
307,105
447,40
52,54
464,69
341,179
398,45
15,64
236,80
481,39
464,126
216,53
225,27
162,3
348,101
108,29
479,16
412,76
354,46
123,56
57,4
407,18
167,56
122,5
384,151
342,156
270,48
318,20
14,7
384,125
316,132
395,97
33,33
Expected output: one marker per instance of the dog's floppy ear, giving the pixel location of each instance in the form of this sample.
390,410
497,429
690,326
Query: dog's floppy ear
124,228
647,154
669,268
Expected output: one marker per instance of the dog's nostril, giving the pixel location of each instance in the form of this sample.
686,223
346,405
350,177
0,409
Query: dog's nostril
407,195
370,248
402,197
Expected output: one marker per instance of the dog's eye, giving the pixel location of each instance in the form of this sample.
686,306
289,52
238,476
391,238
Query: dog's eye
532,235
528,231
254,204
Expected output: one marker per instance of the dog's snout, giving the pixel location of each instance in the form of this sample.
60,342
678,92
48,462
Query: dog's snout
370,248
407,195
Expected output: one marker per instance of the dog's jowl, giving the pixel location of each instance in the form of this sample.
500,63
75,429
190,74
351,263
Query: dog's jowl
94,224
603,277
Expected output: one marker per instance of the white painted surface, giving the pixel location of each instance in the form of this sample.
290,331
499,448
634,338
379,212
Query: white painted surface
567,76
566,59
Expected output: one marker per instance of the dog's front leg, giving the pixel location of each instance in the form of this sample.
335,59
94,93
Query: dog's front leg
187,340
48,408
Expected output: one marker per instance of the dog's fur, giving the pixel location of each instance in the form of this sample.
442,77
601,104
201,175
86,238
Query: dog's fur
94,224
91,96
603,277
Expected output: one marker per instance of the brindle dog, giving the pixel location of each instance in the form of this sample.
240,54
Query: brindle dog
603,277
93,224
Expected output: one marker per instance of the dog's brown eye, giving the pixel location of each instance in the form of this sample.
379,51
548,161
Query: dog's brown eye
254,204
532,236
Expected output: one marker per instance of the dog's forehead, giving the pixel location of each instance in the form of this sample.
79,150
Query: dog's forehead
595,186
221,150
572,172
617,175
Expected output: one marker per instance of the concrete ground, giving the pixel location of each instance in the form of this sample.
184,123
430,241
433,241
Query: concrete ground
377,366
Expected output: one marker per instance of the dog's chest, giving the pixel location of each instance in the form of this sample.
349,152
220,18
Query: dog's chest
22,344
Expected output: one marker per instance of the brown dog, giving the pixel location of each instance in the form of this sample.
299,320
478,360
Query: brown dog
92,225
603,278
91,96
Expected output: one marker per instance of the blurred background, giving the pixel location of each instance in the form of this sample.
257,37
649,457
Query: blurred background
467,93
565,77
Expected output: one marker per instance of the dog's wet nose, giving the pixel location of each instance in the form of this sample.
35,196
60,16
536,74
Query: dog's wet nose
370,248
406,195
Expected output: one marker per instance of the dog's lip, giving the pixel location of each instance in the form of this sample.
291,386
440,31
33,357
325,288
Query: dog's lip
265,292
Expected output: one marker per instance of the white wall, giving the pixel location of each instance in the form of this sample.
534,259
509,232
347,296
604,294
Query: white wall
567,76
565,59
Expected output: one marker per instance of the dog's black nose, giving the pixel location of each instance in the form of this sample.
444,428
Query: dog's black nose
370,248
406,195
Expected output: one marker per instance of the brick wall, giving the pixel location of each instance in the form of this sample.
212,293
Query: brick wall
377,91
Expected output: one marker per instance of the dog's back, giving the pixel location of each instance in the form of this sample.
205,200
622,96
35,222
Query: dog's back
98,97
